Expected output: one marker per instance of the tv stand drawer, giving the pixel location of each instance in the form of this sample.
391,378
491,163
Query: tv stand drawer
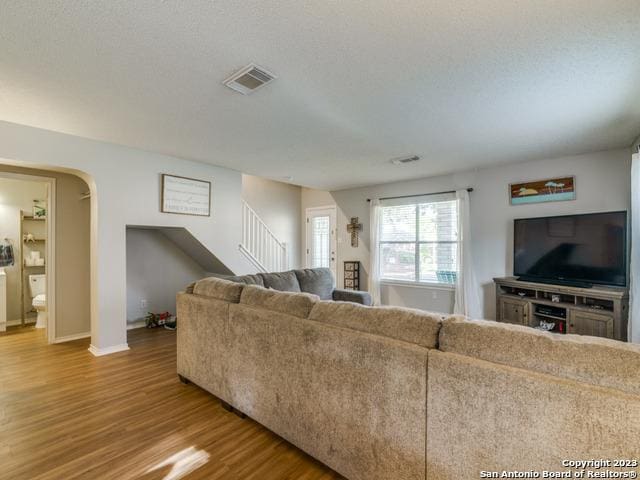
514,311
587,323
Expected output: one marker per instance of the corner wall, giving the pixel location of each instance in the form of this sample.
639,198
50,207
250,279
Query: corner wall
156,271
635,146
278,205
125,184
602,184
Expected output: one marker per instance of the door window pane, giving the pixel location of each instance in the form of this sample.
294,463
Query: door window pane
398,261
321,242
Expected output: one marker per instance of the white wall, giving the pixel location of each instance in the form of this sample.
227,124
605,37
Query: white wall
602,183
278,205
17,196
126,191
156,270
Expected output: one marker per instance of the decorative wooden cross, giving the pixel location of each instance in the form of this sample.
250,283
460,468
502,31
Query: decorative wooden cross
353,228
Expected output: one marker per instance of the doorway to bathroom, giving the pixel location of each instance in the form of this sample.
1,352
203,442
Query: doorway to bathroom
27,243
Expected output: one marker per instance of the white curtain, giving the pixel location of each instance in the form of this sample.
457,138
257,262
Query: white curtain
634,274
467,299
374,234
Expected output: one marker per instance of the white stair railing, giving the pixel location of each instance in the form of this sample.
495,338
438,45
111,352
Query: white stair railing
260,245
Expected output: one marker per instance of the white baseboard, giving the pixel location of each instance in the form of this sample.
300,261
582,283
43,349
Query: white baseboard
99,352
69,338
136,324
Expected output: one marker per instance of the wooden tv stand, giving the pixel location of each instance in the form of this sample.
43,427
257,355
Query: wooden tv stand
599,311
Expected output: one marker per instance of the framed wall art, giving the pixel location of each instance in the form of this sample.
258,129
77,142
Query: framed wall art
550,190
185,196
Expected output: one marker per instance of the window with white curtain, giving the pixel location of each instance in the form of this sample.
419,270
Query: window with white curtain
418,239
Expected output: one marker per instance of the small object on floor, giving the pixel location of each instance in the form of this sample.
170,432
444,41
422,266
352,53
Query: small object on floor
154,320
172,323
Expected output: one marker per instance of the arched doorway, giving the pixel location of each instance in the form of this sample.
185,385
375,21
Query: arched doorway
65,244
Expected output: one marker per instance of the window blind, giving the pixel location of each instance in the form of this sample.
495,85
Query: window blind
418,239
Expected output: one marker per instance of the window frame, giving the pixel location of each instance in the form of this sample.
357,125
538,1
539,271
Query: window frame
417,242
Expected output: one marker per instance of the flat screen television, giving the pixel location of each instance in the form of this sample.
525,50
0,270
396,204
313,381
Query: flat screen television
579,250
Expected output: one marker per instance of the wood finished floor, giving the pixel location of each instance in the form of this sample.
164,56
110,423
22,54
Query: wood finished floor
65,414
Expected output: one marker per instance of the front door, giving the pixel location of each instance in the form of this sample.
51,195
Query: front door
321,238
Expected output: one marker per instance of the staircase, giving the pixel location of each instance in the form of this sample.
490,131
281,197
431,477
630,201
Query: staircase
259,245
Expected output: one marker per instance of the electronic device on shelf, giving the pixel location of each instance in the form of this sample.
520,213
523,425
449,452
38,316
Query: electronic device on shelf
550,311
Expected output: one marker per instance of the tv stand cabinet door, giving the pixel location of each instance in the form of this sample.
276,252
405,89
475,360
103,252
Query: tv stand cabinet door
587,323
514,311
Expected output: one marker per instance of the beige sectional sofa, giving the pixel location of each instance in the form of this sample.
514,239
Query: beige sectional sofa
391,393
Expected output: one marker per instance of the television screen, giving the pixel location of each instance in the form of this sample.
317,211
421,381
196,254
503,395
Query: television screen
588,248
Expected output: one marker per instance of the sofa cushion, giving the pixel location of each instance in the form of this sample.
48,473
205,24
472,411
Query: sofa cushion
598,361
281,281
247,279
413,326
488,417
292,303
352,400
218,288
318,281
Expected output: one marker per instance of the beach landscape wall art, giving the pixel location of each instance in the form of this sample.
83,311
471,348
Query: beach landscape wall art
550,190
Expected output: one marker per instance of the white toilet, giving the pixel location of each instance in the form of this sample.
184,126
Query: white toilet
37,286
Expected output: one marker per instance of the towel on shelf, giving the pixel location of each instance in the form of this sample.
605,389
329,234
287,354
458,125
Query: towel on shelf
6,255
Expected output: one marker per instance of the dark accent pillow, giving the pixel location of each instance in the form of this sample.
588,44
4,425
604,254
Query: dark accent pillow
281,281
318,281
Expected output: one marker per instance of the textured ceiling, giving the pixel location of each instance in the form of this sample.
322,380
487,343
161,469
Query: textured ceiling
462,83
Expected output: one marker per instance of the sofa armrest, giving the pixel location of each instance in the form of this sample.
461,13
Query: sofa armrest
355,296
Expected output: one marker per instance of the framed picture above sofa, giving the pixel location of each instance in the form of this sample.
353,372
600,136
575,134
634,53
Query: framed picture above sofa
185,196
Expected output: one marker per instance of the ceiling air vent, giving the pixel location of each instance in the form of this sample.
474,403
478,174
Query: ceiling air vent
249,79
403,160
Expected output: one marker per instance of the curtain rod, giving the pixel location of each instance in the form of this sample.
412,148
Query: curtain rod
420,195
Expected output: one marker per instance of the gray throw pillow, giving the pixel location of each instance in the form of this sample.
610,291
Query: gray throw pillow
282,281
318,281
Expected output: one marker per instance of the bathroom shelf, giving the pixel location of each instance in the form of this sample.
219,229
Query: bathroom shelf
24,269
